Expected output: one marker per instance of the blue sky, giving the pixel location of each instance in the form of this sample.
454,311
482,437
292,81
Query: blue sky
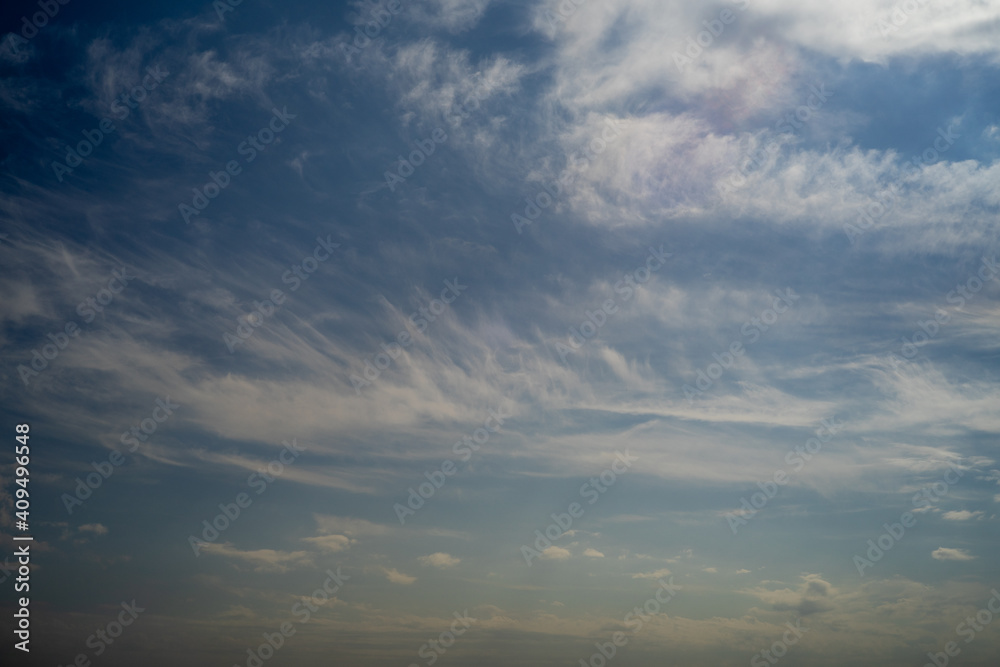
394,301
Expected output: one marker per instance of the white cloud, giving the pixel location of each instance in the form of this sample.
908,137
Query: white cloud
397,577
927,396
961,515
96,528
332,543
439,560
593,553
556,553
262,560
653,575
944,553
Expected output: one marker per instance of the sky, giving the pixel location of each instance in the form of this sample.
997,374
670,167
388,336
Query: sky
558,333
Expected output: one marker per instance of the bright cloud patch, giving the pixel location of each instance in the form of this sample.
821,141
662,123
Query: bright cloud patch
944,553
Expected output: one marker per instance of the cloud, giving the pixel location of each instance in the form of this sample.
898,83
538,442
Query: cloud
536,106
332,543
262,560
347,526
96,528
397,577
813,595
944,553
653,575
556,553
455,16
439,560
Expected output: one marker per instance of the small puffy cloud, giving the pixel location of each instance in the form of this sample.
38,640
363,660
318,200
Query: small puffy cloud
593,553
943,553
652,575
742,571
95,528
332,543
961,515
556,553
439,559
710,570
397,577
